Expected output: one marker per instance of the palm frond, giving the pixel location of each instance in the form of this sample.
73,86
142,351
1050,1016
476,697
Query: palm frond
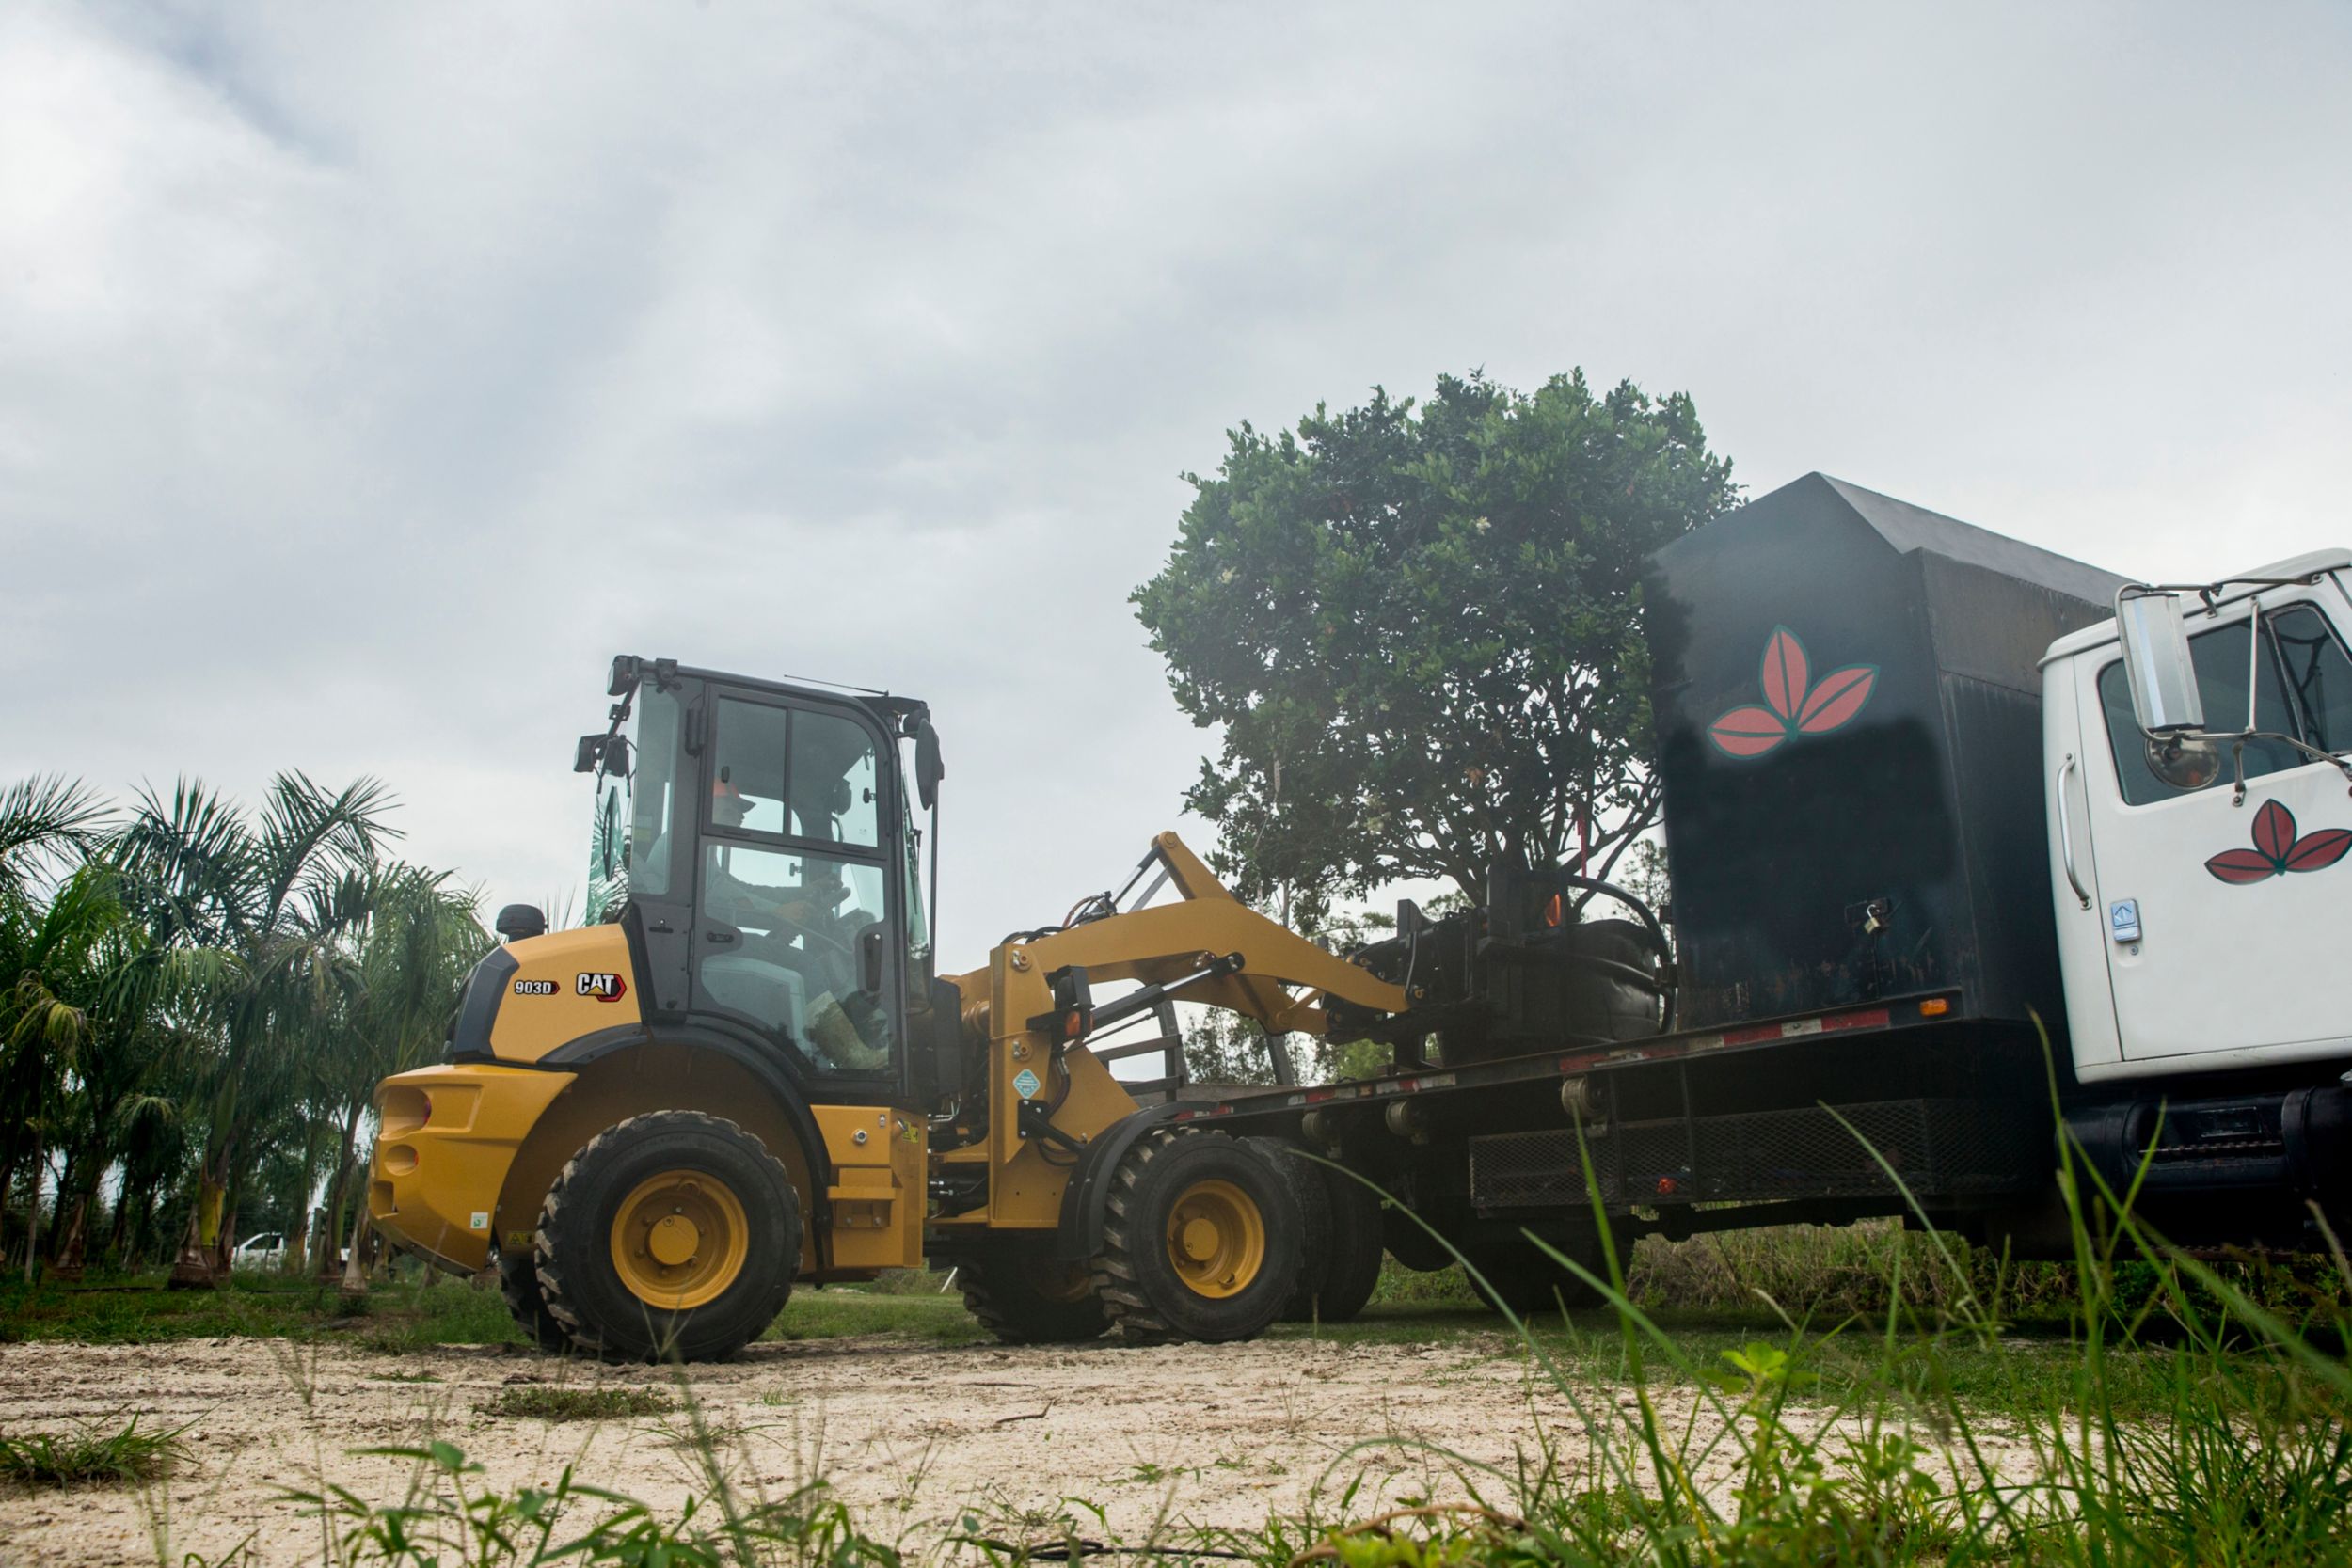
304,830
44,821
187,864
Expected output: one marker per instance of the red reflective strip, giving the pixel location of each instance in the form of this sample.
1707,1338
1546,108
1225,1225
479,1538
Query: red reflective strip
1314,1095
1749,1037
1877,1018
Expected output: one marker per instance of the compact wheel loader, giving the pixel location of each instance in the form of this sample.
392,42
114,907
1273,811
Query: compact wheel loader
744,1073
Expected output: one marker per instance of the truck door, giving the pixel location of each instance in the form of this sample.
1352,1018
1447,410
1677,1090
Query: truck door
2224,921
793,888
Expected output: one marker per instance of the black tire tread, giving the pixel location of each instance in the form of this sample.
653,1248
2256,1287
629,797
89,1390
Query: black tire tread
1315,1207
1115,1283
551,1267
1119,1280
993,1294
518,1284
1356,1247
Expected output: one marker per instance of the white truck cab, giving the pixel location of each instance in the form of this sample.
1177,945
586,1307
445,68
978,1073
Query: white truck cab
2200,819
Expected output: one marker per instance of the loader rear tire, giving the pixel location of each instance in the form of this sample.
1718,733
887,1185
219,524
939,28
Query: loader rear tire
518,1283
1024,1295
1314,1236
1201,1240
670,1236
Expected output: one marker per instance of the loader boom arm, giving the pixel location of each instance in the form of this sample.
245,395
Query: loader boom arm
1283,977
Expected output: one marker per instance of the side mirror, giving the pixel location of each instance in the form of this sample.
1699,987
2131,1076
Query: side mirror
2156,663
873,945
929,769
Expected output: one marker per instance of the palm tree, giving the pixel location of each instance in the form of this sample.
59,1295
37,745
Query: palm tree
419,943
46,826
248,915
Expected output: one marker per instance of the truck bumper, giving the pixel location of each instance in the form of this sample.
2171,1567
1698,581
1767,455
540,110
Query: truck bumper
446,1137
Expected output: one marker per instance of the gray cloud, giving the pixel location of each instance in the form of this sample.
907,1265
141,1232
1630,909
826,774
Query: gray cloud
366,379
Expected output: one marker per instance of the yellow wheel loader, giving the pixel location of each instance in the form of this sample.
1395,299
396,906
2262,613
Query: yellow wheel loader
744,1073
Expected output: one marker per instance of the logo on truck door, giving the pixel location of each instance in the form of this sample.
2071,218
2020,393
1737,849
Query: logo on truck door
1794,702
2277,850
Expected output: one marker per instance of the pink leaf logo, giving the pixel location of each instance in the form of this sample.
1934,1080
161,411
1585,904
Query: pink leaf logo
1748,732
2277,850
1784,673
1794,702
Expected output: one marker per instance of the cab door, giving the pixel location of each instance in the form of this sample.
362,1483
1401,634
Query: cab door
2223,922
794,901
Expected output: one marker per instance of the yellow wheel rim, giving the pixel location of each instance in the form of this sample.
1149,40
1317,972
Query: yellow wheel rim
680,1239
1215,1239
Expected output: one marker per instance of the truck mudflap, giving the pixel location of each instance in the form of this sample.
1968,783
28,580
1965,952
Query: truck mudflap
446,1136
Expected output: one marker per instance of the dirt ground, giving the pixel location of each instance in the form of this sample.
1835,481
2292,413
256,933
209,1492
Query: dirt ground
912,1437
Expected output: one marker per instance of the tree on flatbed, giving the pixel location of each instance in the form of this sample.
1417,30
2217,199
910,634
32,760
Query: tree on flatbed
1420,627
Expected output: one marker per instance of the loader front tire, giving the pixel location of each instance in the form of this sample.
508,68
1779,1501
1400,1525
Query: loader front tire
670,1236
518,1283
1201,1240
1024,1295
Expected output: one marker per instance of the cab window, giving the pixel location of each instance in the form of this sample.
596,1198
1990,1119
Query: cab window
798,774
794,883
2304,690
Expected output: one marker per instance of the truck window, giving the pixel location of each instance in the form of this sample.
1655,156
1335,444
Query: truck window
2316,675
2305,692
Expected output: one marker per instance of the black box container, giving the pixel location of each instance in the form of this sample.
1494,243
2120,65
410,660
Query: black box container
1850,733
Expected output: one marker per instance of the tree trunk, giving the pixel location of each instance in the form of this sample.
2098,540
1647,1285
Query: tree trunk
225,1240
66,1264
355,1280
32,1209
346,1181
118,1245
193,1269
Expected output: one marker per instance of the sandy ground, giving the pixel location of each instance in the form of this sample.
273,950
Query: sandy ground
912,1437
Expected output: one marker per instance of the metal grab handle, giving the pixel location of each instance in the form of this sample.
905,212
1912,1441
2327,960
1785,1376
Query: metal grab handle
2066,833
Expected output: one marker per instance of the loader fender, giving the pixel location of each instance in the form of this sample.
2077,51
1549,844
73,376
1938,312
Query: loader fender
447,1138
761,1064
1084,1200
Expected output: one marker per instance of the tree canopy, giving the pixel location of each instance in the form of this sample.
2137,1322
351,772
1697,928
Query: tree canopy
1418,626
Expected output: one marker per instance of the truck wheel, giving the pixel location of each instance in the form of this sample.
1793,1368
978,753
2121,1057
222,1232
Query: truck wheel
1024,1295
1305,1181
1201,1240
669,1236
1356,1247
1523,1277
519,1282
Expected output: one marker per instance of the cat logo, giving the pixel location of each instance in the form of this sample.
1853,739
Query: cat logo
604,988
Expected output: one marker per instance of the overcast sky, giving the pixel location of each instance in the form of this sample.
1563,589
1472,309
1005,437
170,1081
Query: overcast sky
369,375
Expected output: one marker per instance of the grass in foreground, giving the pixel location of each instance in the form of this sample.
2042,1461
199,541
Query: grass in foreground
91,1456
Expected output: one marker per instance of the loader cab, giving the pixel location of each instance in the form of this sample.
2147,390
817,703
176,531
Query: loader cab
757,842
